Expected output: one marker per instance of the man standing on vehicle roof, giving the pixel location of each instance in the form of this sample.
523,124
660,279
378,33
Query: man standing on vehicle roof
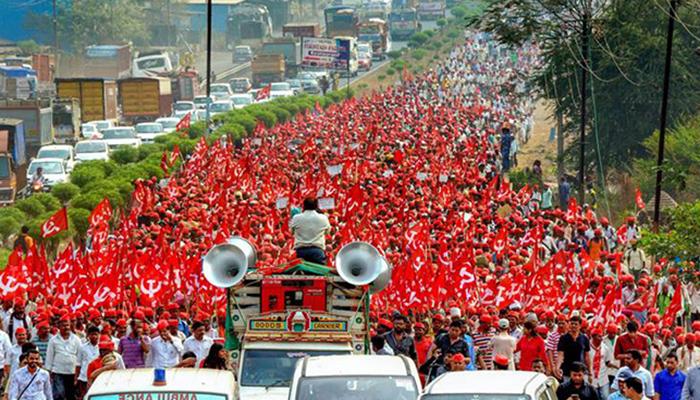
310,229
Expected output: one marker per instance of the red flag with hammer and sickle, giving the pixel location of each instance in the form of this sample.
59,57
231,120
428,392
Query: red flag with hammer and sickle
56,224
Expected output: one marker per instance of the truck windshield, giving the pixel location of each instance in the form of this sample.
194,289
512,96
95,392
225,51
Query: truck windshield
480,396
4,168
357,387
151,63
275,368
159,395
54,153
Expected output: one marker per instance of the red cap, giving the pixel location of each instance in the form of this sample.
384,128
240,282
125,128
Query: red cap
173,307
105,343
485,318
689,337
65,317
172,323
20,330
386,323
562,318
121,322
612,328
111,313
93,314
42,324
695,325
597,331
162,324
139,315
20,302
438,317
542,330
165,315
458,357
418,325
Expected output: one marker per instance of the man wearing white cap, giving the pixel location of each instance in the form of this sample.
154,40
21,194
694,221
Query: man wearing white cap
503,343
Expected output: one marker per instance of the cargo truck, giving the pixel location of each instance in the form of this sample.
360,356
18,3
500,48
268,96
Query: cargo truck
340,21
37,116
100,61
144,99
277,317
403,23
98,97
290,48
248,24
374,31
299,30
12,157
267,68
431,9
66,120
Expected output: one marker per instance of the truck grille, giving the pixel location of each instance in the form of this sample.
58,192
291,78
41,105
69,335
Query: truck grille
5,195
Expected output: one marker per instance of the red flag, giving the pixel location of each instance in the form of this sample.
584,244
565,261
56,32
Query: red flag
184,122
674,308
56,224
638,199
101,214
263,93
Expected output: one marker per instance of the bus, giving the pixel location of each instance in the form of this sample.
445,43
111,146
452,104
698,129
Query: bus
340,21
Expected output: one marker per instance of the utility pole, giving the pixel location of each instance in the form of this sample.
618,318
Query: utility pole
584,76
664,112
209,9
169,30
55,39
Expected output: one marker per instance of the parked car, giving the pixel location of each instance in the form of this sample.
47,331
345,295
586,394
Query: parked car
201,101
102,124
220,91
122,136
502,385
356,377
87,150
242,54
240,85
220,107
364,48
296,85
280,89
182,108
169,123
200,115
63,151
148,131
53,170
241,100
90,131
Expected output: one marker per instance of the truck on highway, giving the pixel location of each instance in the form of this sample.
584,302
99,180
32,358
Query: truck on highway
431,9
99,61
98,97
152,63
403,23
12,157
267,68
248,24
299,30
66,120
375,9
290,48
37,116
281,315
340,21
375,32
144,99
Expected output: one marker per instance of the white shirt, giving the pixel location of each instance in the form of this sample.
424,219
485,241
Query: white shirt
5,346
198,347
62,354
606,356
39,389
165,354
13,357
310,228
88,353
16,324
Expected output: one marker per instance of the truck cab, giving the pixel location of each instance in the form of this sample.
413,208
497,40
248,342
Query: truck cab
12,156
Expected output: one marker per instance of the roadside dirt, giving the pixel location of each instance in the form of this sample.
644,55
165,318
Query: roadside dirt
539,147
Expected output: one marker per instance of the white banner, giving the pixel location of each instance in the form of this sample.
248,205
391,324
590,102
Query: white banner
318,52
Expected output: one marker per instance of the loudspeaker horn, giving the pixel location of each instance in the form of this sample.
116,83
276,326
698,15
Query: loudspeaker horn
226,264
383,279
358,263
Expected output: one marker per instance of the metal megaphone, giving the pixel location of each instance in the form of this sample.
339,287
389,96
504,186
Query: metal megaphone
383,279
358,263
227,263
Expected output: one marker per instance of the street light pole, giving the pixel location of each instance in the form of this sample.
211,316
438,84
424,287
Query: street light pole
584,76
209,9
664,112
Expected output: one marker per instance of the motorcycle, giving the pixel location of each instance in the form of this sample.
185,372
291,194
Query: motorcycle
36,186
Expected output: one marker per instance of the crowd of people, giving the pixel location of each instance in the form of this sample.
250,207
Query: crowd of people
485,276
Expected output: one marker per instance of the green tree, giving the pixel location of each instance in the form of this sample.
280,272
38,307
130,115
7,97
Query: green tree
682,238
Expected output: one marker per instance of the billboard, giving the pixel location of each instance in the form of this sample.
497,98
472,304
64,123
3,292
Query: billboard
325,53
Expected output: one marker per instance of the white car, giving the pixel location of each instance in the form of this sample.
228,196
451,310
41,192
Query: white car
53,170
148,131
356,377
122,136
220,107
220,91
182,108
88,150
201,101
280,89
102,124
169,123
199,115
90,131
502,385
241,100
63,151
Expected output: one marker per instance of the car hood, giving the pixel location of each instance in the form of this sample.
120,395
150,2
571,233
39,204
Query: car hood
149,136
52,178
91,156
260,393
119,142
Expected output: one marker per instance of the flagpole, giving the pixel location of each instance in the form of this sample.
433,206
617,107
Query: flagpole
209,12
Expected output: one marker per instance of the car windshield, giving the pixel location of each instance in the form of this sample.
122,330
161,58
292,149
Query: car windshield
149,128
357,387
54,153
242,50
168,123
102,125
274,367
182,106
90,147
479,396
280,86
241,100
239,82
49,167
88,128
219,107
118,134
219,89
295,83
4,167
